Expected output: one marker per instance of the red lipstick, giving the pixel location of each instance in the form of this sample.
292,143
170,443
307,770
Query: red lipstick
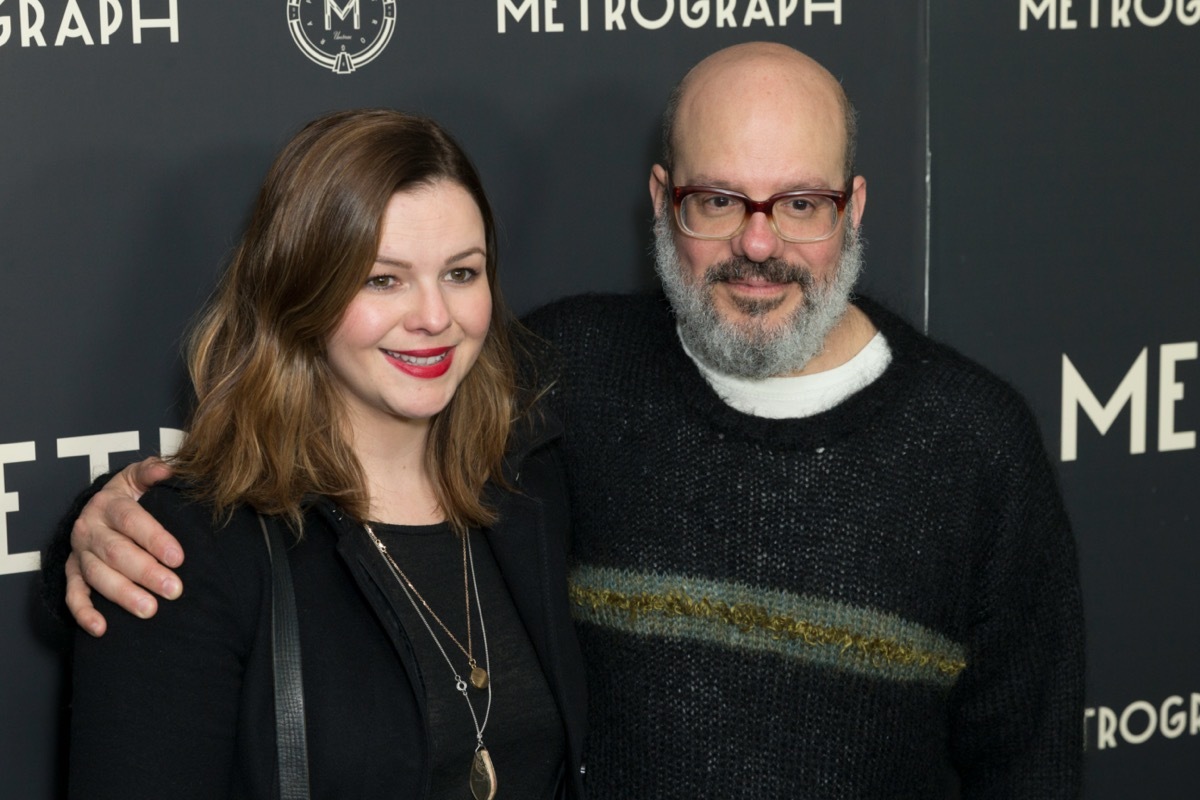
431,363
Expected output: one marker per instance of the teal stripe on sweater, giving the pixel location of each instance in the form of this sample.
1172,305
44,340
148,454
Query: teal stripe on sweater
820,632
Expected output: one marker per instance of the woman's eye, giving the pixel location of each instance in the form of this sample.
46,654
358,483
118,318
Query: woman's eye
380,281
462,275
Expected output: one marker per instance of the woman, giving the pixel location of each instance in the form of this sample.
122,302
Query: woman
355,386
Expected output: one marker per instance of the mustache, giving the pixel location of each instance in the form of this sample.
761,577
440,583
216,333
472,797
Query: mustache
773,270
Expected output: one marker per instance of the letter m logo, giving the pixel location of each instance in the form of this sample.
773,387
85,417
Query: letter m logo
1077,395
343,10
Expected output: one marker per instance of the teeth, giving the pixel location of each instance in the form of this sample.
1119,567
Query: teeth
419,362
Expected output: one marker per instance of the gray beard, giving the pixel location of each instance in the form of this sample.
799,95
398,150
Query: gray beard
753,348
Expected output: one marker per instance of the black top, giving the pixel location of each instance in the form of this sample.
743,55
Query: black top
181,705
523,733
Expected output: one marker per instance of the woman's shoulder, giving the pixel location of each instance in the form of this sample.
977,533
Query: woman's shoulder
205,532
180,499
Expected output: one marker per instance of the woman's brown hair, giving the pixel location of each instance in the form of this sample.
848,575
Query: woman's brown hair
268,427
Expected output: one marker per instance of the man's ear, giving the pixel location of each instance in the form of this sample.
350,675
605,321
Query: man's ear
858,194
658,187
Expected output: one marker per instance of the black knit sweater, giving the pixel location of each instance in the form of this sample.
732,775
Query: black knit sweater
878,601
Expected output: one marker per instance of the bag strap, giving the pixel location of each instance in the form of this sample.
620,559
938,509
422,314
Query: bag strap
290,737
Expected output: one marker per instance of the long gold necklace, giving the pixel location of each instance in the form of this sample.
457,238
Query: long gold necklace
482,778
479,676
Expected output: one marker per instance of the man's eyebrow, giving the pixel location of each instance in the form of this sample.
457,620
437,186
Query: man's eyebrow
701,179
798,185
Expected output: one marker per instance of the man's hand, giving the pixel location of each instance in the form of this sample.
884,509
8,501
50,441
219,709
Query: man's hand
118,547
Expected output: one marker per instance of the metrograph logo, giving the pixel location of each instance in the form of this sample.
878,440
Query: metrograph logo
341,35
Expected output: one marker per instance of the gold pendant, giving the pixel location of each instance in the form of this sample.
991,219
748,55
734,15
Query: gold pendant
479,678
483,776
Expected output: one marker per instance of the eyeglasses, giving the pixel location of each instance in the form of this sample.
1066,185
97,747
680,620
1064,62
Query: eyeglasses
810,215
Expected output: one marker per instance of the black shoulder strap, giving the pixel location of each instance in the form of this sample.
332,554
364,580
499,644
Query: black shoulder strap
291,739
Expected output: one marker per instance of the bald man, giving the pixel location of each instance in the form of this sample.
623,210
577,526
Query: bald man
816,554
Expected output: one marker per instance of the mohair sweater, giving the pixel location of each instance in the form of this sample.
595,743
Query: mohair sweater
878,601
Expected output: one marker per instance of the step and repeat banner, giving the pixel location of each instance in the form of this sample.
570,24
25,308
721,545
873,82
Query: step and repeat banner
134,134
1064,255
1056,140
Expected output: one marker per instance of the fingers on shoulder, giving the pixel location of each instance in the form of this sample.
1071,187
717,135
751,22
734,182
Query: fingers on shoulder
113,584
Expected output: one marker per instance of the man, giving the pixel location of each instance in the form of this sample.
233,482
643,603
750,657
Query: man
816,554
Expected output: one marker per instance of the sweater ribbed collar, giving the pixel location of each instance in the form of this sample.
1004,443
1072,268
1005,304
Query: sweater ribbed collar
856,413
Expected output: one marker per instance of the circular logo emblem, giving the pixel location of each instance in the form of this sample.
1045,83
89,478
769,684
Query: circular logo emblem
342,35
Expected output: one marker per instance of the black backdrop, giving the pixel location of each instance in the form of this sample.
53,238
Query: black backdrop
1059,160
1064,216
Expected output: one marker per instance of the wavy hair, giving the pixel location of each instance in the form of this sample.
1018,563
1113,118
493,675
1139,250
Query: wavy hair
268,427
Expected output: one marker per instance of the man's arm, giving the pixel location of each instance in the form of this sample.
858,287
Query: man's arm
117,548
1018,709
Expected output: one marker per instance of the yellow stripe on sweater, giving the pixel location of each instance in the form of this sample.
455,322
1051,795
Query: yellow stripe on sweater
823,632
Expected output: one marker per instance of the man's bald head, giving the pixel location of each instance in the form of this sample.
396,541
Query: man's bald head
758,72
762,121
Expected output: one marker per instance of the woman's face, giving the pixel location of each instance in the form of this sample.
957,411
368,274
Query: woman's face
416,326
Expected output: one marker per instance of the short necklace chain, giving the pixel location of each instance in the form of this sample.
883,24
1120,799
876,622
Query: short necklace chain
483,776
459,683
469,650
